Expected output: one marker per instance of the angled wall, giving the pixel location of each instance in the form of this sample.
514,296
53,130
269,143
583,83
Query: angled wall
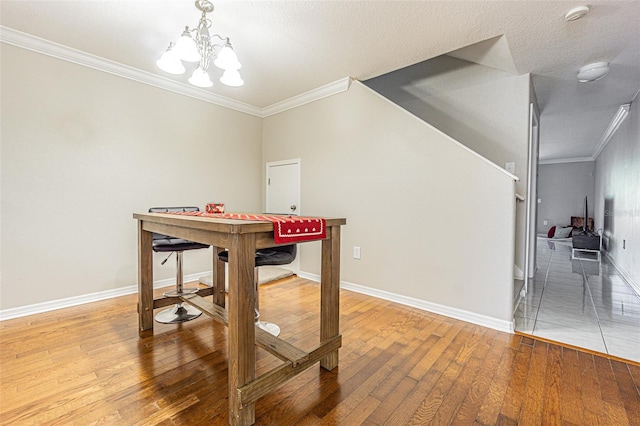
481,107
435,221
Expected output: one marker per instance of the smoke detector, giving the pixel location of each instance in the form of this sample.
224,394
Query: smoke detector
576,13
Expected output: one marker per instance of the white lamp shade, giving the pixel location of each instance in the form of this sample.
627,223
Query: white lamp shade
186,48
593,72
227,59
231,78
200,78
170,63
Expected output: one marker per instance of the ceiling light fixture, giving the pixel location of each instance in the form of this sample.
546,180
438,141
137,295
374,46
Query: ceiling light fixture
576,13
196,45
593,72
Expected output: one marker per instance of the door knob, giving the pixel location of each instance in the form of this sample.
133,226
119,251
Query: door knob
293,207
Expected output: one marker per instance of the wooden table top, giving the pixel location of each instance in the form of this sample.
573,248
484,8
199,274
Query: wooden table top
218,224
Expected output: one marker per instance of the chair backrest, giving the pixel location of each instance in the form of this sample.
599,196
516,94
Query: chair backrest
290,249
280,255
173,209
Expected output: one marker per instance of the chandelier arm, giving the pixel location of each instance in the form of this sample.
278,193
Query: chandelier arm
225,41
220,37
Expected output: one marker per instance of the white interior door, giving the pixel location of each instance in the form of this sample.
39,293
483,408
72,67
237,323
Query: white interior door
283,187
283,194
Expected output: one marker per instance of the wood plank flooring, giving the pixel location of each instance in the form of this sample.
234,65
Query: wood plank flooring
398,366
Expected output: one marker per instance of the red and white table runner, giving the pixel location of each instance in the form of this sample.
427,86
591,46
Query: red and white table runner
286,229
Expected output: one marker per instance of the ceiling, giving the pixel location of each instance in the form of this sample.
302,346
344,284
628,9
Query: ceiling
290,47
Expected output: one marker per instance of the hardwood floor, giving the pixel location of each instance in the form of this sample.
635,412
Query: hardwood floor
399,365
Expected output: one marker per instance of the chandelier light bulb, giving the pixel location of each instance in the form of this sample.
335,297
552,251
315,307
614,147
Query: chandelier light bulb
227,59
231,78
186,48
200,78
169,62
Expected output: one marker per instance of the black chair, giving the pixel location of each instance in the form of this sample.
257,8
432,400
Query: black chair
165,244
281,255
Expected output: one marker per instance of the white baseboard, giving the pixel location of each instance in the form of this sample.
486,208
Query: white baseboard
634,285
474,318
459,314
38,308
518,274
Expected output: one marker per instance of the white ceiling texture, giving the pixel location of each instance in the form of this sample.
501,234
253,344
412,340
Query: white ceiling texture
291,47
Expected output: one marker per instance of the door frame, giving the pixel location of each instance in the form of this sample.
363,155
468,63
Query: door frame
532,197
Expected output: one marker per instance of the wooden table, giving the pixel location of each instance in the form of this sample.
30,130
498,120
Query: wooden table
242,238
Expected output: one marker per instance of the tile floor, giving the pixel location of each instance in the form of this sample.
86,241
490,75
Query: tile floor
583,303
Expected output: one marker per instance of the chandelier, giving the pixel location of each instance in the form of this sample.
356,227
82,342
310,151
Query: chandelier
197,45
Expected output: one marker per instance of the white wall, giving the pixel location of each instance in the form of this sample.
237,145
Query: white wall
82,150
562,188
483,108
434,222
618,196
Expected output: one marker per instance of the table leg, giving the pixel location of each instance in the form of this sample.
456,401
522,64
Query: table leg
218,278
145,282
330,294
242,352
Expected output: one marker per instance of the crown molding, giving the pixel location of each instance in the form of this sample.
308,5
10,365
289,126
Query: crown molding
60,51
310,96
617,120
566,160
